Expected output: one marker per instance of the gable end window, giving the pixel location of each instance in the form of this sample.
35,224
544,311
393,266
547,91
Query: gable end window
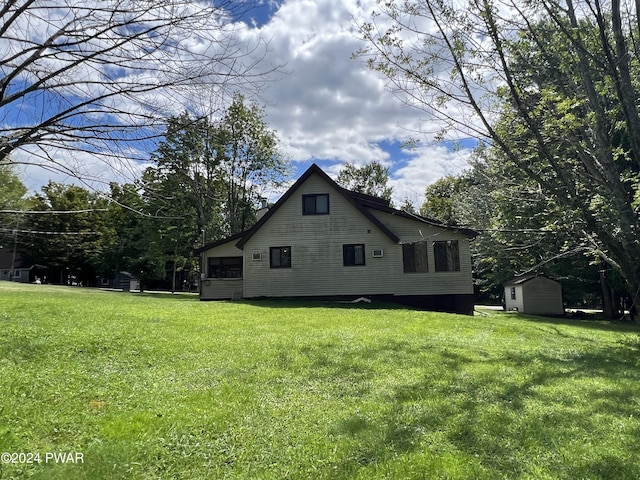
447,256
317,204
353,255
280,257
414,257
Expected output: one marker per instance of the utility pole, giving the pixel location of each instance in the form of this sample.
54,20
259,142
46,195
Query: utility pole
15,246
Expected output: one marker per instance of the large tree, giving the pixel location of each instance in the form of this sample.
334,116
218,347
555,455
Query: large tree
96,78
208,179
372,179
251,163
549,84
12,202
213,173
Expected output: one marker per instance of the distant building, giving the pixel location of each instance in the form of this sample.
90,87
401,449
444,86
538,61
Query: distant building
23,270
534,294
119,280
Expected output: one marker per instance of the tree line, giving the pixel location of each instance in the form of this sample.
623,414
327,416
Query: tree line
550,89
204,183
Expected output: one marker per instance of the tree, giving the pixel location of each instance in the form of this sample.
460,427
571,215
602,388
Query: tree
67,230
440,199
251,162
95,79
12,190
12,203
216,170
549,86
371,179
207,181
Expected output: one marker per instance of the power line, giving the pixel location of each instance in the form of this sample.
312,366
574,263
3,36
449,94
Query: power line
55,212
15,231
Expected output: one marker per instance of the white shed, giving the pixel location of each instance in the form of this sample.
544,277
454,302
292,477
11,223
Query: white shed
534,294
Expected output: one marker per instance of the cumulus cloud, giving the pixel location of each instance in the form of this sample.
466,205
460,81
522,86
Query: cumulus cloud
331,108
326,106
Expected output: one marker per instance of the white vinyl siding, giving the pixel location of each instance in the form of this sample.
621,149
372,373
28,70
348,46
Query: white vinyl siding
431,282
513,298
317,264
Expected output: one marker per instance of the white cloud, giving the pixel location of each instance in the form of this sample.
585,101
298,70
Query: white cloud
427,164
92,171
330,106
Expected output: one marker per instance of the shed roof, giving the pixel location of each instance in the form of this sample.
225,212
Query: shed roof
526,278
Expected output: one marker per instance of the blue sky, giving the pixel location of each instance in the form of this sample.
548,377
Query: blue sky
326,107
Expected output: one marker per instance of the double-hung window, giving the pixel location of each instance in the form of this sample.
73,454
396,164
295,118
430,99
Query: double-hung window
280,257
447,256
316,204
353,255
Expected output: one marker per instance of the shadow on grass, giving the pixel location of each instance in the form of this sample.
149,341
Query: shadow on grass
595,323
349,303
520,414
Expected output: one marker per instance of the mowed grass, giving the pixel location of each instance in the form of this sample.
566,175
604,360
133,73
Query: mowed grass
159,386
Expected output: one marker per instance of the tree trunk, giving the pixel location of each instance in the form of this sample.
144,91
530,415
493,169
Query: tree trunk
608,306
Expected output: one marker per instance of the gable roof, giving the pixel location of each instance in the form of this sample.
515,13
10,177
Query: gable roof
361,201
526,278
383,205
216,243
353,199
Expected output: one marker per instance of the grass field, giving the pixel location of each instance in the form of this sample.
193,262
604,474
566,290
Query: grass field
159,386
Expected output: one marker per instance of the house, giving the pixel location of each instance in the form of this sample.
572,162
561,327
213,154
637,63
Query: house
23,270
321,240
534,294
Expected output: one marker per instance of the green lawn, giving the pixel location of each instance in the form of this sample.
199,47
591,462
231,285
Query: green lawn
160,386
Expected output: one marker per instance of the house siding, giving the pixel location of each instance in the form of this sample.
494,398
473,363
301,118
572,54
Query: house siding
316,243
430,282
516,303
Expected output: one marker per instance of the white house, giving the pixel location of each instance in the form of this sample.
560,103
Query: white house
534,294
321,240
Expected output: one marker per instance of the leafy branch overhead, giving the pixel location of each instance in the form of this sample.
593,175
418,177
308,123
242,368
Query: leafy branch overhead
549,88
97,80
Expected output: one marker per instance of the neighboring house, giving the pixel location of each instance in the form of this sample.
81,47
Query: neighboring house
23,270
534,294
320,240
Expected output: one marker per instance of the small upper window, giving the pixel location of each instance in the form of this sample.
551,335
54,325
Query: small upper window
317,204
